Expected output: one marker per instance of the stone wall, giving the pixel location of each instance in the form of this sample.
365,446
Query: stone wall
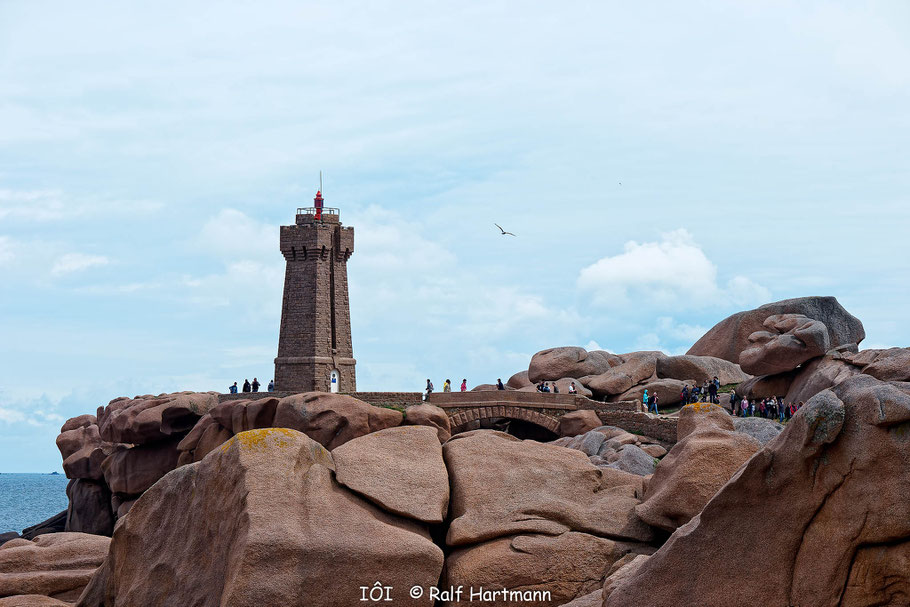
397,400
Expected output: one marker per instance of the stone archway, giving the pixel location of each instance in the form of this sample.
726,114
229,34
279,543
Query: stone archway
474,418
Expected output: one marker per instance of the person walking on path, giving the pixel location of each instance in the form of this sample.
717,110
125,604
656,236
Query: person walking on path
233,389
644,400
271,385
652,403
464,385
429,389
447,385
246,385
255,385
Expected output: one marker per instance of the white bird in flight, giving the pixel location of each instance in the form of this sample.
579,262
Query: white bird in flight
503,231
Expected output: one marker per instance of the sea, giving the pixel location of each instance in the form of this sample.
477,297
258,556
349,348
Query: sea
26,499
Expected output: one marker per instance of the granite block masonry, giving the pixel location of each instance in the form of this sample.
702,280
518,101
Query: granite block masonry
315,352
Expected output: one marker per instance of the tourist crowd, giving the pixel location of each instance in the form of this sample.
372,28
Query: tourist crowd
769,408
252,387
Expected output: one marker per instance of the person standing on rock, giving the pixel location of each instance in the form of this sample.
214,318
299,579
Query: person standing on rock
499,385
447,385
712,390
271,385
246,385
684,395
572,388
555,388
233,389
644,400
255,385
429,389
464,385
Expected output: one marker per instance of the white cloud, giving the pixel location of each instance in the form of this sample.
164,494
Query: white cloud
11,416
233,235
673,272
76,262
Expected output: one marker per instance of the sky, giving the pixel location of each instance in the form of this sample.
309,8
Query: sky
663,165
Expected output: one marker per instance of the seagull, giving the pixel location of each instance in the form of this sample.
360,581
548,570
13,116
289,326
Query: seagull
503,231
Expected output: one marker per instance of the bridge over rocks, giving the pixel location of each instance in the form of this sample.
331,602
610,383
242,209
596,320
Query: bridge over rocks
536,415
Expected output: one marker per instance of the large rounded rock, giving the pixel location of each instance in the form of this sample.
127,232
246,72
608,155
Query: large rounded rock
787,341
333,419
260,521
633,369
701,416
81,447
431,416
728,338
634,460
578,422
892,364
569,361
501,486
147,419
820,374
705,457
330,419
519,380
400,469
56,565
700,369
567,566
835,481
132,471
761,429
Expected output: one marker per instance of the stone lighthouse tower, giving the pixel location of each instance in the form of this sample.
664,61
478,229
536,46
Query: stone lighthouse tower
314,347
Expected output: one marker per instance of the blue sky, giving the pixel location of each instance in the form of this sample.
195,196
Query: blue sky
148,154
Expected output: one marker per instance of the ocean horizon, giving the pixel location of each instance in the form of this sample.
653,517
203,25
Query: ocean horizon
27,498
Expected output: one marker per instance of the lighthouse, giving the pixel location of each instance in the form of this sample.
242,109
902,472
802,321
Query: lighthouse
315,352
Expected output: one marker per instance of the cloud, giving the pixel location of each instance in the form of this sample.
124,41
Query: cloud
11,416
673,272
76,262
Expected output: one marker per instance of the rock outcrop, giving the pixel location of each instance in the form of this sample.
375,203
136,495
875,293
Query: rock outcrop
147,419
260,521
400,469
706,456
55,565
730,337
567,565
431,416
502,486
786,341
700,369
569,362
329,419
89,509
578,422
761,429
825,471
